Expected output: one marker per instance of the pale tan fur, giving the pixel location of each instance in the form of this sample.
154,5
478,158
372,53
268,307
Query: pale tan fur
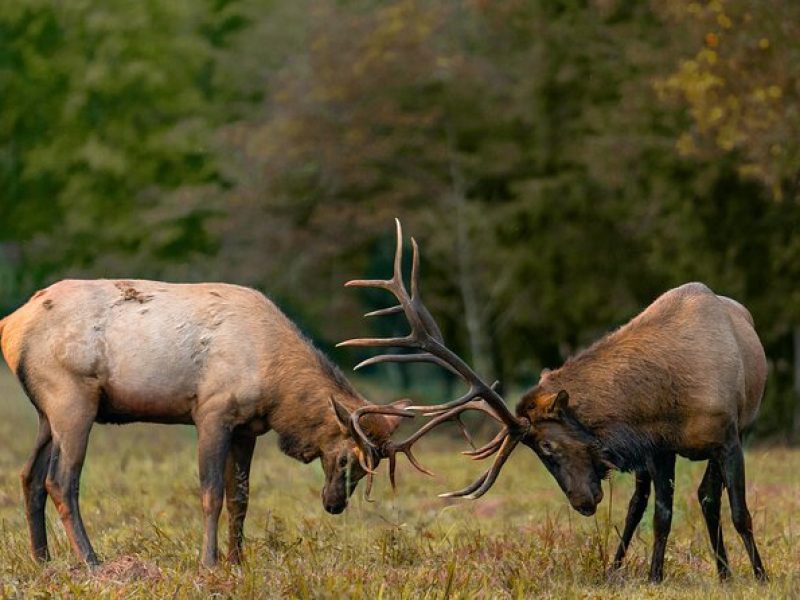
219,356
170,353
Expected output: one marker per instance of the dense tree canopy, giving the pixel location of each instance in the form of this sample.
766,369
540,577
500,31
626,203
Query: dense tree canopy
561,163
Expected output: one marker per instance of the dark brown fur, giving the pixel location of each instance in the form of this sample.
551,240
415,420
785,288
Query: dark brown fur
685,377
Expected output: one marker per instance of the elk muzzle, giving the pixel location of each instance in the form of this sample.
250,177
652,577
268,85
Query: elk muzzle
586,501
334,497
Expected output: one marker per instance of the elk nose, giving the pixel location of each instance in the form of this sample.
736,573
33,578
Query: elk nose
335,508
587,509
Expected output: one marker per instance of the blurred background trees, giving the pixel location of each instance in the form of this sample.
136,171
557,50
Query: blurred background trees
561,163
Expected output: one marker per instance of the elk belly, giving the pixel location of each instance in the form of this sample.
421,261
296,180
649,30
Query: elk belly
153,369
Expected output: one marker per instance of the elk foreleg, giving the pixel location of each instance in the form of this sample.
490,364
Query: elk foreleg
710,496
213,440
662,470
732,466
636,509
237,491
33,477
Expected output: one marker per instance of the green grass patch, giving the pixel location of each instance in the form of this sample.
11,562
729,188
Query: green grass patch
140,502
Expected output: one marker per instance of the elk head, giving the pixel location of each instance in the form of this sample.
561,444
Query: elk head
347,459
426,339
568,450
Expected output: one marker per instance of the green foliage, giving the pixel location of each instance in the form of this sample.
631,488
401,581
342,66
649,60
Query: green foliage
561,163
106,110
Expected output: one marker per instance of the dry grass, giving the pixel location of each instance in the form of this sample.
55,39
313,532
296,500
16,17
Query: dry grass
140,502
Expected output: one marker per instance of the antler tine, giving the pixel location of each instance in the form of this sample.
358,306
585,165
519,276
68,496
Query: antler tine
414,269
369,283
418,357
485,481
400,342
395,284
467,490
434,411
474,392
392,453
426,320
505,451
368,489
397,274
489,448
392,310
464,431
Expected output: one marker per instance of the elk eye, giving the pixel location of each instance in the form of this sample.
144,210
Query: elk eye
547,447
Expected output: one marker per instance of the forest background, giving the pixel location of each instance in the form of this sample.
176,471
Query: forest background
561,162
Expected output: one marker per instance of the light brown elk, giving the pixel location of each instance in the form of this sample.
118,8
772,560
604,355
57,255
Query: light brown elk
684,377
221,357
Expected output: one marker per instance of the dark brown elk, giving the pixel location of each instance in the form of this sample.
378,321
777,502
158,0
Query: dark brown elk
685,377
221,357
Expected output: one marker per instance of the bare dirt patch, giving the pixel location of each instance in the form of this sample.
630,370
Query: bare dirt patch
124,570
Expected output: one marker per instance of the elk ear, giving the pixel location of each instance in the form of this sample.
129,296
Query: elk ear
342,414
558,403
380,428
393,421
544,372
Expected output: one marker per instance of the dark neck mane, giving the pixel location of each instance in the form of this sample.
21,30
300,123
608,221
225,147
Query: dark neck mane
624,448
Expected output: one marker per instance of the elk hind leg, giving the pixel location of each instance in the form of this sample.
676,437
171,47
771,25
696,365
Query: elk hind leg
709,494
70,439
33,477
237,491
732,465
636,509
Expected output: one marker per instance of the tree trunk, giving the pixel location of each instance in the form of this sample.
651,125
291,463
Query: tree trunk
475,316
795,433
479,343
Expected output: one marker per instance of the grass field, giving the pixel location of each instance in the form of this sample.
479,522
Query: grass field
140,502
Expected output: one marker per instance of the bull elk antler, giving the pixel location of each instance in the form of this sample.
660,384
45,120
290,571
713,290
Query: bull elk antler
426,337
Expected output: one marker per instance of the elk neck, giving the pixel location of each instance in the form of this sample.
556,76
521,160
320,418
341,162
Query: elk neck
614,391
300,412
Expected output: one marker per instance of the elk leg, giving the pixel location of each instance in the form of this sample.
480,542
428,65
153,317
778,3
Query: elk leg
237,491
636,509
710,496
63,481
662,470
35,494
213,444
733,475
